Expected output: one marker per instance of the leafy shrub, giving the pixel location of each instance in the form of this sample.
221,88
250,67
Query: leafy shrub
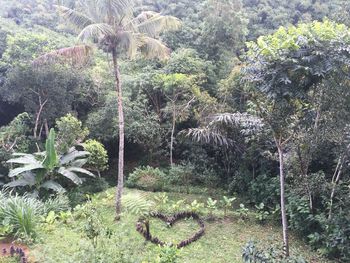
98,158
265,190
180,174
252,254
242,212
40,171
70,132
226,203
146,178
21,214
262,213
167,254
59,203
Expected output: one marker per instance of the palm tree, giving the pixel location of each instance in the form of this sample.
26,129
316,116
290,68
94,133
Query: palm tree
114,27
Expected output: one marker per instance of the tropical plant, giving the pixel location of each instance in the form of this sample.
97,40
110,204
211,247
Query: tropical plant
140,206
20,214
41,170
113,26
226,203
212,206
242,212
262,213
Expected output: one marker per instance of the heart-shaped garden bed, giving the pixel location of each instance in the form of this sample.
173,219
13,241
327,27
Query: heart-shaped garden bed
142,226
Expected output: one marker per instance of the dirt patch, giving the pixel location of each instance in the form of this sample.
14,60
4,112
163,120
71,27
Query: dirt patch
10,248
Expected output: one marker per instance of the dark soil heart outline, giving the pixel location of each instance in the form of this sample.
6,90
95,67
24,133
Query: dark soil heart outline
143,229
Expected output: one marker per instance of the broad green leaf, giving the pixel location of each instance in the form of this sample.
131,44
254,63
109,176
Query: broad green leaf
70,175
25,168
51,158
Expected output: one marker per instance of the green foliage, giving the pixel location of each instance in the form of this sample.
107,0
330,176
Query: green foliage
57,204
262,213
211,205
147,178
98,157
138,205
226,203
242,212
19,215
69,132
41,170
167,254
195,206
252,254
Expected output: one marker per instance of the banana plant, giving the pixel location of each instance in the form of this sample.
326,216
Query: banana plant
41,170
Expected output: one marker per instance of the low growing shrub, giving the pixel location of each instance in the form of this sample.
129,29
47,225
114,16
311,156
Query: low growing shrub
146,178
20,214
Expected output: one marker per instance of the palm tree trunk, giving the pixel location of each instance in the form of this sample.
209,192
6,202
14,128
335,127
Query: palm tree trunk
118,86
283,204
172,135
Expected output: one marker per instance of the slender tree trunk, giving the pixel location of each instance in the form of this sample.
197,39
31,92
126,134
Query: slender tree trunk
283,204
172,135
38,115
118,86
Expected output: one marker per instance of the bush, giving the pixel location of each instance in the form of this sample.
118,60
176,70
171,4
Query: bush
70,132
20,214
98,158
60,203
147,178
251,253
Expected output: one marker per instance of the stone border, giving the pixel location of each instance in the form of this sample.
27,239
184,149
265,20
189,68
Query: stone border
171,220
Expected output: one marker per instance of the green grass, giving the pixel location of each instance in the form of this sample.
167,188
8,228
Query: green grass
222,242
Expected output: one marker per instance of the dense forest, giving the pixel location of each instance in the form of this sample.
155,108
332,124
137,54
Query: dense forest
233,114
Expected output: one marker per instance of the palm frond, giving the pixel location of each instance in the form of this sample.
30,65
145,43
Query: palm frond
241,119
78,20
152,23
208,135
138,204
153,48
115,8
78,55
96,31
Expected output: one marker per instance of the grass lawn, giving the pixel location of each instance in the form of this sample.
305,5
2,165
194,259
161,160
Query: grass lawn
222,242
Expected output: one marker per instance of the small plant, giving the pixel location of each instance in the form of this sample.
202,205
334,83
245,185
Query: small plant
93,227
139,205
262,214
178,205
167,254
161,201
212,206
242,212
195,206
226,203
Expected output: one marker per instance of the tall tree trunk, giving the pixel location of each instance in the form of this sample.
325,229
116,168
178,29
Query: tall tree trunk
118,86
283,204
172,135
